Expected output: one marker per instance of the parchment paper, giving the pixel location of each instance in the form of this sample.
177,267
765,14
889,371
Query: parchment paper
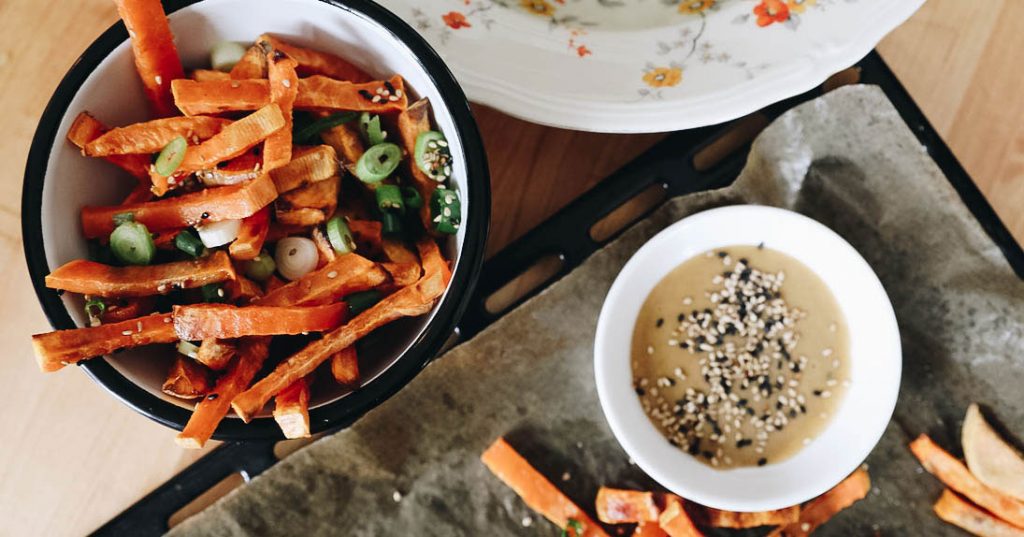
845,159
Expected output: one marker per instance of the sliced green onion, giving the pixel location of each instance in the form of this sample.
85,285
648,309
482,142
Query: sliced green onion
445,211
411,197
188,348
391,223
369,126
224,55
340,235
132,244
188,242
389,198
432,156
171,156
308,133
378,162
212,292
94,307
361,301
261,267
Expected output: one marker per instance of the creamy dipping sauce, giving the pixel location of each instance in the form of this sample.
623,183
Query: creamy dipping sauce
740,356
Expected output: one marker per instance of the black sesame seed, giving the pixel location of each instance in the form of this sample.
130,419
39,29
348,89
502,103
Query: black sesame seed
744,442
707,454
792,413
640,391
742,402
389,87
680,317
694,447
211,397
762,461
817,393
744,261
760,246
366,94
722,254
659,322
205,215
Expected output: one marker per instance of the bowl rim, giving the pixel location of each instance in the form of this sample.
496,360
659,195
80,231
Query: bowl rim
343,411
649,459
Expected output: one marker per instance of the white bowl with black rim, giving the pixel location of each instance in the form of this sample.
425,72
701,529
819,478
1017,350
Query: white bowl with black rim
59,181
875,360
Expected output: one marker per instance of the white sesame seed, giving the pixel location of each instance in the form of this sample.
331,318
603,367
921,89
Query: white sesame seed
126,333
527,522
332,274
826,353
396,496
159,80
806,526
566,476
286,83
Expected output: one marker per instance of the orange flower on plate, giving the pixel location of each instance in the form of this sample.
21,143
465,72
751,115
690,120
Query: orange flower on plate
455,20
771,11
798,6
538,7
663,77
695,7
582,51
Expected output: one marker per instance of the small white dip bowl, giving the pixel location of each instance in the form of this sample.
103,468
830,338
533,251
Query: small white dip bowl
875,360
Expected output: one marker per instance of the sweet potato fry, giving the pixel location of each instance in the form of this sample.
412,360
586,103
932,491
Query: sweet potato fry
156,57
252,352
124,309
715,518
152,136
955,475
235,139
86,128
251,236
205,321
208,205
204,75
186,379
55,350
215,354
819,510
139,194
618,506
321,195
303,218
284,84
242,290
291,409
649,529
245,167
368,235
345,367
674,520
323,247
314,62
272,284
316,93
403,265
346,141
252,65
97,279
308,165
535,490
958,512
345,275
410,301
411,123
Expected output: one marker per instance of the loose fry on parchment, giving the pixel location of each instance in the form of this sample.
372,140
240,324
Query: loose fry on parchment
345,367
187,379
215,354
208,205
819,510
618,506
211,409
715,518
55,350
956,476
535,490
152,136
315,62
156,57
96,279
284,84
291,409
316,93
411,301
961,513
86,128
674,520
222,321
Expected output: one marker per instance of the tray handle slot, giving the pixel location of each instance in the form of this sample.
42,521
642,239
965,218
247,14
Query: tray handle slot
206,499
537,274
627,213
846,77
736,137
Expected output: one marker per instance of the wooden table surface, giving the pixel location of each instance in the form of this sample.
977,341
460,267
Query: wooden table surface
71,456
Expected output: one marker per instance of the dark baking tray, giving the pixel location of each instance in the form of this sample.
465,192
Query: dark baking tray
668,166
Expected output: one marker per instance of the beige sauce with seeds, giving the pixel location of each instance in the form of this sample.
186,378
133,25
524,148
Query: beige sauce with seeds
711,382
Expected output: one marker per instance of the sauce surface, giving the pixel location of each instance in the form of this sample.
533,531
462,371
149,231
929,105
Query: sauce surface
740,356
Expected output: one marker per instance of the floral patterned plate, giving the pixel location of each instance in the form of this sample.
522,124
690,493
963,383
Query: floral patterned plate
646,65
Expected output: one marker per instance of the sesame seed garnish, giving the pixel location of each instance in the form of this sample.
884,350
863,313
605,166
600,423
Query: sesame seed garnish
566,476
126,333
286,83
332,274
396,496
159,80
527,522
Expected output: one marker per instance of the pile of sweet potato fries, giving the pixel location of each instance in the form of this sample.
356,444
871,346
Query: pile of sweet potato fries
660,514
287,193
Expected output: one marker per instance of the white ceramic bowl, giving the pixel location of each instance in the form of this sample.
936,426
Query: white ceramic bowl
59,181
875,360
